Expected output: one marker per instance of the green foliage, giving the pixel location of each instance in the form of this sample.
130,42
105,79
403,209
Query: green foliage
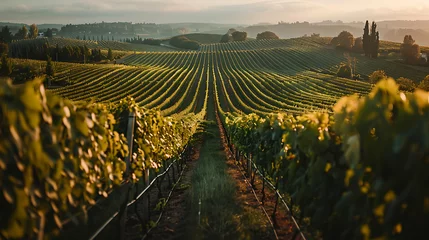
5,35
55,159
109,54
359,174
22,33
345,71
376,76
345,40
424,84
226,38
184,42
358,45
405,84
409,50
238,36
34,31
4,49
371,41
6,66
50,68
48,33
266,35
366,41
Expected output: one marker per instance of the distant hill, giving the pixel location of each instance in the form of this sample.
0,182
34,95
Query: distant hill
397,35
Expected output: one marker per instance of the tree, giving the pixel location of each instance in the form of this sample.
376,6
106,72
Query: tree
48,33
366,42
239,36
34,31
110,54
4,49
6,66
358,46
375,41
226,38
345,40
266,35
22,33
376,76
50,68
409,50
232,30
5,35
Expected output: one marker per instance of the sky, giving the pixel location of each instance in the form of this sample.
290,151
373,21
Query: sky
209,11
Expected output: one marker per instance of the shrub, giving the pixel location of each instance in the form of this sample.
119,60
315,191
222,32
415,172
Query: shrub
424,84
239,36
376,76
266,35
184,42
345,71
406,84
226,38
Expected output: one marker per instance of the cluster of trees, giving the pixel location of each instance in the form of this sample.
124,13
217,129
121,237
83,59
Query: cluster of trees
226,38
371,40
184,42
410,51
238,36
148,41
346,41
234,35
62,54
6,35
267,35
369,43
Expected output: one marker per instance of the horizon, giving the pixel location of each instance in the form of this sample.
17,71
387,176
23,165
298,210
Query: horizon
220,12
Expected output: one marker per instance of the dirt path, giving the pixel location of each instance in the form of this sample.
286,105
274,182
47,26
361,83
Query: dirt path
173,222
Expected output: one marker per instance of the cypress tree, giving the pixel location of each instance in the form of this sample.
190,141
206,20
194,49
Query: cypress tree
373,41
376,45
366,40
50,69
109,54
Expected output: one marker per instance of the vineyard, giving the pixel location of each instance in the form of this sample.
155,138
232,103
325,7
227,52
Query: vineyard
295,75
92,44
347,167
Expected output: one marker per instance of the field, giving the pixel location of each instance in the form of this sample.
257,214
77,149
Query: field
272,146
296,76
102,44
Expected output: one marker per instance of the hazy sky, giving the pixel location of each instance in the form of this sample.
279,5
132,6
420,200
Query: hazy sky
215,11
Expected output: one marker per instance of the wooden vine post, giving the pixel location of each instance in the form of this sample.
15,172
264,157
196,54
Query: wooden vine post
130,140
